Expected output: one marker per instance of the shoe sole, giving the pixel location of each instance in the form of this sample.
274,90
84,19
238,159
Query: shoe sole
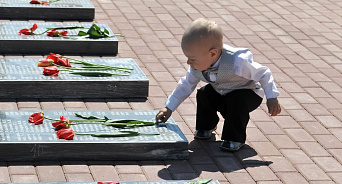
230,149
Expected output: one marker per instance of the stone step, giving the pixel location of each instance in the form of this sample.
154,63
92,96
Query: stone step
13,43
24,141
22,78
61,10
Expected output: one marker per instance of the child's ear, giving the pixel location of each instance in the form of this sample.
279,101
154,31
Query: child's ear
213,52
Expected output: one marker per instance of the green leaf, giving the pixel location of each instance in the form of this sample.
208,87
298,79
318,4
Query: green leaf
82,33
86,117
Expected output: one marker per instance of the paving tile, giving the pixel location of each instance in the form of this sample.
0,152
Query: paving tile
279,164
269,128
286,122
28,104
50,173
337,133
301,115
328,164
254,134
133,177
329,121
314,128
337,177
265,149
156,172
313,149
291,177
238,177
299,135
248,156
24,178
259,115
51,105
128,169
79,177
104,173
316,109
337,113
337,153
229,164
312,172
112,104
4,175
75,167
328,141
209,171
296,156
179,166
282,141
185,176
303,98
22,170
261,173
96,106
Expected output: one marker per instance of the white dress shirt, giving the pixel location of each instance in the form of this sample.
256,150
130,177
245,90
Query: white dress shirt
244,66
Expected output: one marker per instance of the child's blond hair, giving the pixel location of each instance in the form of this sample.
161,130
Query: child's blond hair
204,30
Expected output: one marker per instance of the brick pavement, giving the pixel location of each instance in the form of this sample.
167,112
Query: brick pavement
300,41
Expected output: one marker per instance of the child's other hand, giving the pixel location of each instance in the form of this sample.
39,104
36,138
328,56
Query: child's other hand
273,106
163,115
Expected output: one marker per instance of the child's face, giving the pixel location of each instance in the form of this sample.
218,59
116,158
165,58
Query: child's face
199,58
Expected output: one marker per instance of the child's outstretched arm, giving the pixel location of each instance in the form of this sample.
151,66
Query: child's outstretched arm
273,106
163,115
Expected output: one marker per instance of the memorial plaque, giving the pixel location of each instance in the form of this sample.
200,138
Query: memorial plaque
139,182
24,141
13,43
22,78
61,10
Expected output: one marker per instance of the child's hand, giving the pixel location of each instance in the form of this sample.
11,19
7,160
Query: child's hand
273,106
163,115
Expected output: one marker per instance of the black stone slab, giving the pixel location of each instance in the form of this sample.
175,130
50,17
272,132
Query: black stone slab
22,78
13,43
62,10
137,182
24,141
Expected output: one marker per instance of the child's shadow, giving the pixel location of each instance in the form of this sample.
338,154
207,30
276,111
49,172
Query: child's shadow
206,156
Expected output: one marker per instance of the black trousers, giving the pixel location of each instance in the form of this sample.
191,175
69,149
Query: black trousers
234,108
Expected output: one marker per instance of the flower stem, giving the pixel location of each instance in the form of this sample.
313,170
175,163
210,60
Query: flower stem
91,64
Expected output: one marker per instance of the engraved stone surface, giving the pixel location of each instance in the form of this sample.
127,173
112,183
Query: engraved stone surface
13,43
24,141
22,78
61,10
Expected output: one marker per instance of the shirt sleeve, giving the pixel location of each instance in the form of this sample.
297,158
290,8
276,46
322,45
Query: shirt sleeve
183,90
245,66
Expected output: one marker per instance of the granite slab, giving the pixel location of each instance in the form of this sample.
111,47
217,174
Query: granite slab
13,43
22,78
24,141
61,10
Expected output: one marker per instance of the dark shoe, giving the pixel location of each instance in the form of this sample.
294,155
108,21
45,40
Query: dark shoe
203,134
231,146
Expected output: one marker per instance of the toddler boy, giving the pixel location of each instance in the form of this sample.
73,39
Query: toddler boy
236,85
